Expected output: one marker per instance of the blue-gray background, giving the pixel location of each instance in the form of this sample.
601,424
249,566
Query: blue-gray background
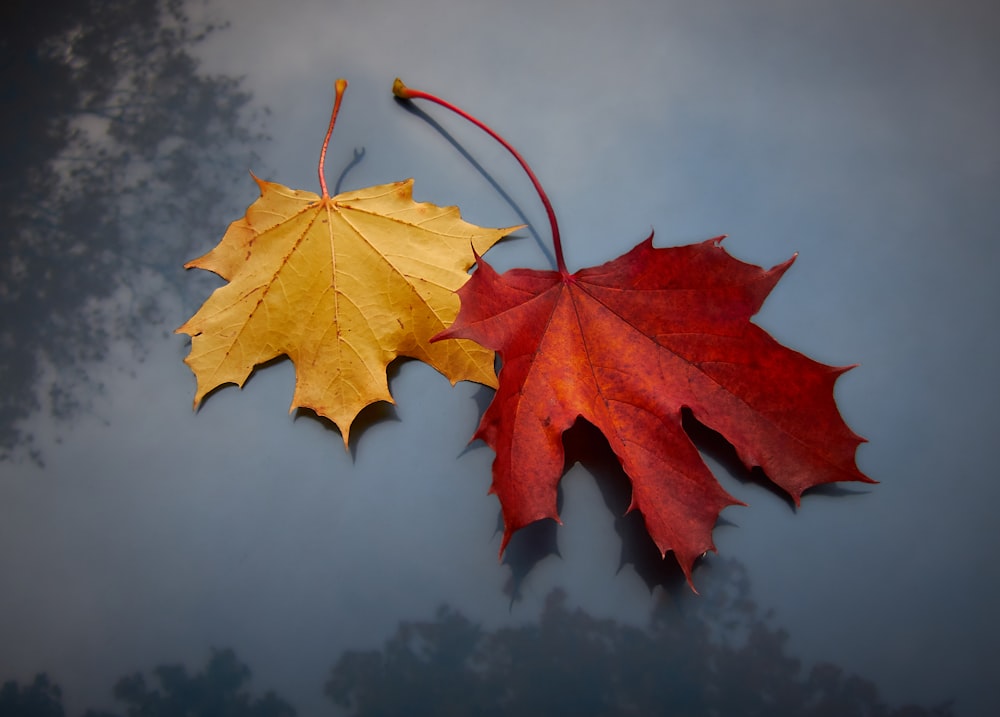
862,134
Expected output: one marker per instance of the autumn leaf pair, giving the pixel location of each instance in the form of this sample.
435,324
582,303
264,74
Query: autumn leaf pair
344,285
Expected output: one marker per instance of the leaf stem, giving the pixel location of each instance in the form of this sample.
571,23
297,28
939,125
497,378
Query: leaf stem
339,86
406,93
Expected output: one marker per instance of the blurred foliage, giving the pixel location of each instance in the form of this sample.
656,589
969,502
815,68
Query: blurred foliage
39,699
713,654
217,691
117,161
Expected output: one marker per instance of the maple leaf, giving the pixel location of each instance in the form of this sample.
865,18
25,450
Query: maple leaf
627,346
341,285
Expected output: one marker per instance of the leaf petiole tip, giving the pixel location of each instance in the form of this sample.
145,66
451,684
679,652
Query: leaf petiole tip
400,90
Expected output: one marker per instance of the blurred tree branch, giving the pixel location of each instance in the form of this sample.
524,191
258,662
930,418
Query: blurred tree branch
118,159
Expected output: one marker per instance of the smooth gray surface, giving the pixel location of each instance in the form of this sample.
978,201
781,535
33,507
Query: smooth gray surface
862,135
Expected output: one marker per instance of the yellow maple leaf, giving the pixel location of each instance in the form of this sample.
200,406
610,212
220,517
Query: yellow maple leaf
342,286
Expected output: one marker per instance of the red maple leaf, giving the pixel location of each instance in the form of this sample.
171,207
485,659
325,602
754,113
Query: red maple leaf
627,346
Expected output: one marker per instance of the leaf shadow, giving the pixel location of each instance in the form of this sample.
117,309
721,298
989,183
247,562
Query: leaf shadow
355,161
368,417
375,413
482,398
526,549
277,360
712,444
585,444
522,217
